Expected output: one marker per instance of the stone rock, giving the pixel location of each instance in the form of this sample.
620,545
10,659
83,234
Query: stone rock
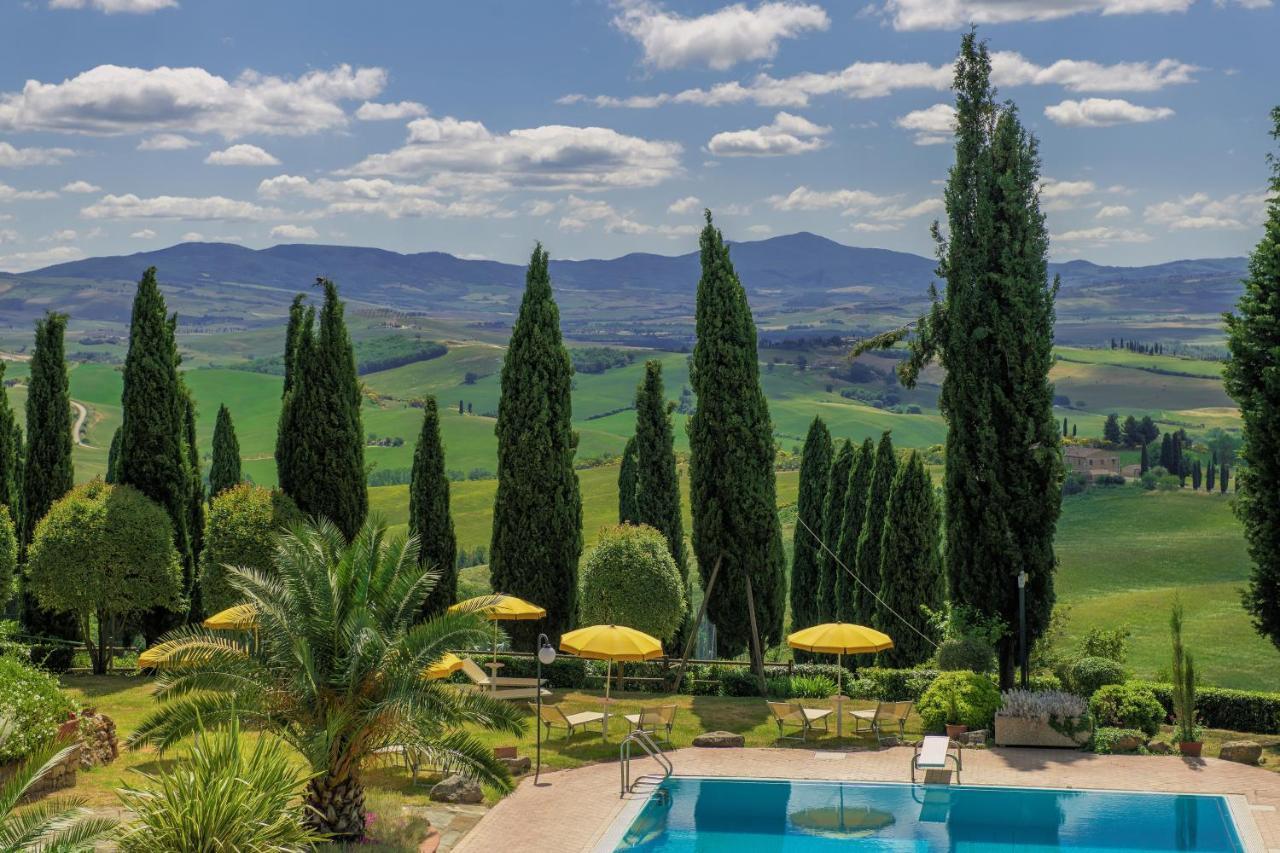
457,789
517,766
1128,743
890,740
978,737
719,740
99,746
1159,747
1241,751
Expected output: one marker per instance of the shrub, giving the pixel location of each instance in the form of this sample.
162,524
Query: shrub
1106,738
241,531
971,653
812,687
738,681
1042,705
1110,643
1109,480
630,578
837,674
1127,706
890,685
32,702
1090,673
1220,708
1152,478
1044,681
1074,483
8,555
57,659
974,698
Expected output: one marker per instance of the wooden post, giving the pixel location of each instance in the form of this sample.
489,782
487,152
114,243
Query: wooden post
693,630
757,659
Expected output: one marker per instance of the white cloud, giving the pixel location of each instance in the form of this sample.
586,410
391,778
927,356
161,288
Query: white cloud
581,212
1052,189
681,206
1202,212
166,142
875,227
144,234
953,14
788,134
24,261
803,198
466,154
215,207
718,39
66,235
1113,211
111,99
540,208
80,187
1075,75
116,7
1102,235
8,193
294,232
18,158
762,230
241,155
378,195
1103,112
370,111
8,235
932,126
191,237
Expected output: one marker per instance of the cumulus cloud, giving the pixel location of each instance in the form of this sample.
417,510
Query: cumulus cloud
787,134
116,7
855,202
18,158
112,100
215,207
377,196
1113,211
540,208
8,193
25,261
719,39
875,227
294,232
952,14
1102,235
681,206
241,155
761,230
144,234
1103,112
370,111
1202,212
932,126
581,212
468,155
80,187
166,142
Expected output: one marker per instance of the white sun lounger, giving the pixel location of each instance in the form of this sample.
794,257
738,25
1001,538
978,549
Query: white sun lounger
932,754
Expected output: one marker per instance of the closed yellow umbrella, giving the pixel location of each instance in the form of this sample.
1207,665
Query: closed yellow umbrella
242,617
499,608
840,639
448,664
610,643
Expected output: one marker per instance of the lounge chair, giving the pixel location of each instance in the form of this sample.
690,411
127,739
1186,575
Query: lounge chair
652,720
793,714
885,713
553,716
489,682
932,754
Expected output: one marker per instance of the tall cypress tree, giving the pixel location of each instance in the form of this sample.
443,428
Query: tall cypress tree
299,320
657,498
1166,454
627,513
731,476
299,346
113,457
429,516
224,472
852,515
537,512
154,455
806,553
11,452
47,469
195,496
910,563
1224,476
831,577
1253,337
1210,474
1195,474
883,472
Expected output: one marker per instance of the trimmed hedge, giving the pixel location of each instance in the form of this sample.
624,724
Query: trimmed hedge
1221,708
1127,706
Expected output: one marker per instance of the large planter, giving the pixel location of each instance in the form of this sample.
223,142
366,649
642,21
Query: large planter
1191,748
1036,731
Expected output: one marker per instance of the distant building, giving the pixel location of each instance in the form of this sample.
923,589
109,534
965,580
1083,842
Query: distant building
1091,461
1131,472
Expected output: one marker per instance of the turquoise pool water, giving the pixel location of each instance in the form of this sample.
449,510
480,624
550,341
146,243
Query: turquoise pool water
721,815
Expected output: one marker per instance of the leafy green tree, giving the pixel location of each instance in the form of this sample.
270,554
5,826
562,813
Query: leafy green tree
337,703
833,506
1111,430
627,484
1150,432
244,523
874,519
429,515
537,512
629,578
113,457
850,593
225,470
103,553
806,553
731,477
1131,432
911,580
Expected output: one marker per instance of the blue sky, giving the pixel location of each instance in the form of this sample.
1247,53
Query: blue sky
604,127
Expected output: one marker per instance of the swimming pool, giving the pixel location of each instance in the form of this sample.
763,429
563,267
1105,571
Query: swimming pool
721,815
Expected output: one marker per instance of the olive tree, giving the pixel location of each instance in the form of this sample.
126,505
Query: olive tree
241,531
630,578
104,552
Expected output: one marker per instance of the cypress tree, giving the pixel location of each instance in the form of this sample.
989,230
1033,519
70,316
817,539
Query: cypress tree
154,455
1195,474
806,553
731,467
880,484
1149,429
1073,430
627,513
657,479
195,496
299,346
224,472
1132,432
1145,461
1210,474
113,457
429,516
831,577
1224,475
1166,454
537,512
853,515
1179,466
1064,427
10,460
910,563
298,321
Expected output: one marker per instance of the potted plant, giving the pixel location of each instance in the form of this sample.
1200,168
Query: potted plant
1184,690
955,728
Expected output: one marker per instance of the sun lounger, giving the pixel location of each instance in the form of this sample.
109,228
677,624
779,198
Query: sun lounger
884,714
662,717
481,679
792,714
553,717
932,754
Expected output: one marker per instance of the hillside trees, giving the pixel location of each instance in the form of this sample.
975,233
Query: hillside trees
833,512
910,563
1111,430
429,516
11,453
224,471
850,593
537,511
1131,433
806,553
883,472
1253,337
731,477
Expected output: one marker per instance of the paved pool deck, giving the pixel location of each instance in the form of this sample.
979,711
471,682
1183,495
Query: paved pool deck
572,810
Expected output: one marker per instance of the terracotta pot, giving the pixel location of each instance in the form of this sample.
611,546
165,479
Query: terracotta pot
954,730
1191,749
504,752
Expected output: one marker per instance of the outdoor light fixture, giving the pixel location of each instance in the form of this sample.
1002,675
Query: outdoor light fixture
1022,624
546,656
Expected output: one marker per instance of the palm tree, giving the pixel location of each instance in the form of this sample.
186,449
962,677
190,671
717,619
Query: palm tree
62,824
337,671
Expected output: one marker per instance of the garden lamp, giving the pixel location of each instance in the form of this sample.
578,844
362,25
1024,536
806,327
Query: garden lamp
546,657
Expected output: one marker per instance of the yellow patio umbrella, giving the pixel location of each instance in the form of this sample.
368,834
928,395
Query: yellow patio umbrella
448,664
840,639
500,608
610,643
242,617
153,658
841,821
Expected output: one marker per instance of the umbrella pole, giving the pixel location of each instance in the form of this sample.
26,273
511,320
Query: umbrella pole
840,696
608,672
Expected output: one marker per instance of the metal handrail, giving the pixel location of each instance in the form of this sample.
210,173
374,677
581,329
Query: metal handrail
654,751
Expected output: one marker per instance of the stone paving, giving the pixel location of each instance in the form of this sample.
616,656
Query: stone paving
571,810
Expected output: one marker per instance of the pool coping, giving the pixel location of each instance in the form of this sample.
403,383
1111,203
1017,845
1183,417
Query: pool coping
1238,806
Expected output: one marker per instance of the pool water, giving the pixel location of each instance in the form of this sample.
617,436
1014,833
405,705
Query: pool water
721,815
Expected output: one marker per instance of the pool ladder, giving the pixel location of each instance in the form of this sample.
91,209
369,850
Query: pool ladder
647,743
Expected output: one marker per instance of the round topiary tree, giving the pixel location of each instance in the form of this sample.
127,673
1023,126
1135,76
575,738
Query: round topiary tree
104,552
241,530
970,653
959,697
630,579
1127,706
1090,673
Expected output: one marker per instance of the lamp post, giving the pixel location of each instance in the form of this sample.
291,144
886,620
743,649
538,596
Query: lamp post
1022,624
546,655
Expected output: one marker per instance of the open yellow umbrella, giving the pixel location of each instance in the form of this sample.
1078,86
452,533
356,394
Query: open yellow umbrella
500,608
610,643
242,617
840,639
153,658
448,664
